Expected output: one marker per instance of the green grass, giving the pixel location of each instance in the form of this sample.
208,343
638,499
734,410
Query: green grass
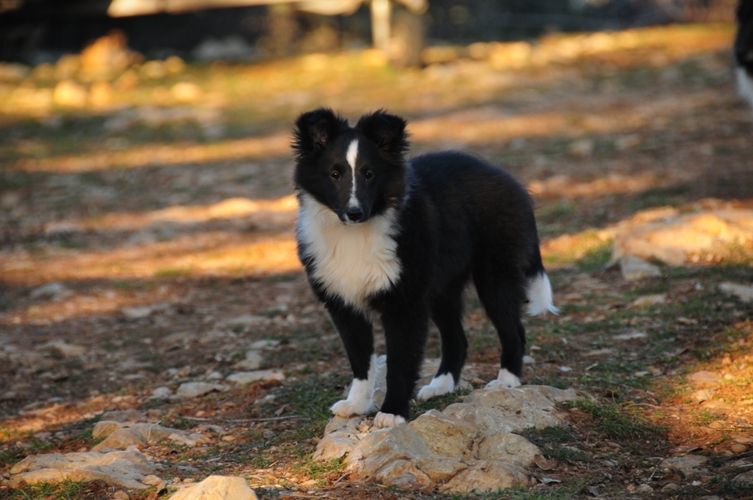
438,403
558,443
620,422
67,490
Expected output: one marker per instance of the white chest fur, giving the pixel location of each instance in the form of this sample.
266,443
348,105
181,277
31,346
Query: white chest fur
350,261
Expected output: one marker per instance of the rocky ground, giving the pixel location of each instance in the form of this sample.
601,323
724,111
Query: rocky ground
156,330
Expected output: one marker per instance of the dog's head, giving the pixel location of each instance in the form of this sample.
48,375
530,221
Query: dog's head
358,172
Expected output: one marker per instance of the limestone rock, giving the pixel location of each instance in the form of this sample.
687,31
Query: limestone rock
469,446
635,268
252,361
487,476
243,378
687,465
120,435
742,292
217,488
121,468
675,238
64,349
52,291
194,389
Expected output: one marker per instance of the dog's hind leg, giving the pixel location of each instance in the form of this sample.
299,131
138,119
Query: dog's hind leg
355,330
502,297
447,313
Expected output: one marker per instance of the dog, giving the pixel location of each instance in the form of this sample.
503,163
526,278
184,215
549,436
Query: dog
744,50
384,238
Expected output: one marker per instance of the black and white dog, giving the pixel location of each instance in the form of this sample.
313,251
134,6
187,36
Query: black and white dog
383,237
744,49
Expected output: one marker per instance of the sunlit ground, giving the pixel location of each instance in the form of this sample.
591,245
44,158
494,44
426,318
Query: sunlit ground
166,186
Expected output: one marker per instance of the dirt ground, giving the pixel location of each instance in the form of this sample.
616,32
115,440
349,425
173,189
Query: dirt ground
160,202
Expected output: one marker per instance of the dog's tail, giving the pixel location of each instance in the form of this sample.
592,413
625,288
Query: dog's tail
538,287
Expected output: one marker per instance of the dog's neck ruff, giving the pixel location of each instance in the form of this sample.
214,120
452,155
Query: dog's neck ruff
352,262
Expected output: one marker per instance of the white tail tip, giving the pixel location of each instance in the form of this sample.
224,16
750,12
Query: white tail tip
539,292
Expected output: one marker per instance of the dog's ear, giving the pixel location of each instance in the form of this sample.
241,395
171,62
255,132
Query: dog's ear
315,129
386,131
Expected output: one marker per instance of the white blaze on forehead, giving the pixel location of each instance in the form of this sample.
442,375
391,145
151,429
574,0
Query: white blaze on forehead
351,156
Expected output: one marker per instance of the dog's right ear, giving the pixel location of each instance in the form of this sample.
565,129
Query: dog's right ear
315,129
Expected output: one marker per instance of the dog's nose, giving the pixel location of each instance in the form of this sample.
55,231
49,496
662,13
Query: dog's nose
354,214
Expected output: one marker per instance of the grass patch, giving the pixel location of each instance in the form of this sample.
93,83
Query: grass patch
619,422
558,443
67,490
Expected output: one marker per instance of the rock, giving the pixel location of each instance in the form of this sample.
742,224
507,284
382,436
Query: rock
217,488
161,393
69,94
650,300
487,476
231,48
138,312
744,479
186,92
253,361
126,469
742,292
188,390
64,349
508,447
644,489
120,436
50,291
246,321
634,268
581,147
243,378
265,344
704,378
469,446
120,495
631,336
687,465
676,239
123,416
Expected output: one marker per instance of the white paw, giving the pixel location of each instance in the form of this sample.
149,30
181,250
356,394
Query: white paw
348,407
504,379
387,420
443,384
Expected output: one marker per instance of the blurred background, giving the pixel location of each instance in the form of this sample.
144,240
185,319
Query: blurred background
147,210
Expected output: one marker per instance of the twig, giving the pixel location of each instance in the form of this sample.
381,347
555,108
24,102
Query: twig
242,420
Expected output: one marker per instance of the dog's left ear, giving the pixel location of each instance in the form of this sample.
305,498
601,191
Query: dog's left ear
386,131
315,129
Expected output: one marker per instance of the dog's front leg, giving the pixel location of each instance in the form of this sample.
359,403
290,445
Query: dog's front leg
355,331
405,333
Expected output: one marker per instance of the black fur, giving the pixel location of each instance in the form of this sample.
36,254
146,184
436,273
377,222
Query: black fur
744,37
459,219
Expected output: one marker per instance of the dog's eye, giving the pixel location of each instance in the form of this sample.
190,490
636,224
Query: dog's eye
335,174
368,174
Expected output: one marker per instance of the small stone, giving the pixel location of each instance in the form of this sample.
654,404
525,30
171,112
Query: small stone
195,389
528,360
253,361
265,344
64,349
670,487
742,292
581,147
702,395
650,300
243,378
687,465
631,336
704,378
51,291
120,495
644,489
216,487
744,479
635,268
161,393
69,94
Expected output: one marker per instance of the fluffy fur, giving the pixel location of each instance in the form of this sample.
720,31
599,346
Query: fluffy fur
744,50
383,238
